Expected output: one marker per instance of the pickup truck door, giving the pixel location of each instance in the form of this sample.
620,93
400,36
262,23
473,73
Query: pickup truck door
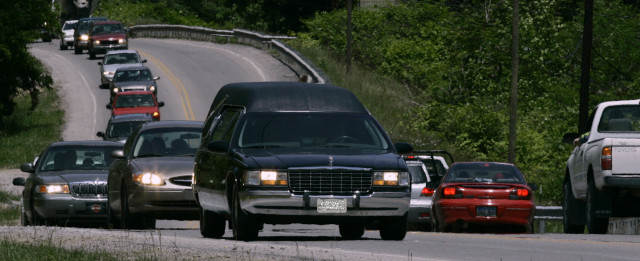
580,168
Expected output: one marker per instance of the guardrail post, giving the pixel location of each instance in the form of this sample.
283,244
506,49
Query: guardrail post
541,226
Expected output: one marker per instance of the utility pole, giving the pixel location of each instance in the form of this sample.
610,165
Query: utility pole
513,104
585,77
349,35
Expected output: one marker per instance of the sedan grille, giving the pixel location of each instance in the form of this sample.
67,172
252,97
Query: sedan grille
181,181
89,189
330,181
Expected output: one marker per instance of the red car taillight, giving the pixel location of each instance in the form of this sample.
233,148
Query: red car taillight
427,192
452,192
605,159
520,193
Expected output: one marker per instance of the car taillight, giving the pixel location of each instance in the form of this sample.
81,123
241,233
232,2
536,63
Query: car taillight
452,192
605,159
427,192
520,193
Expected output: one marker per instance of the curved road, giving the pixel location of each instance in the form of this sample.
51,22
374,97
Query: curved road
191,74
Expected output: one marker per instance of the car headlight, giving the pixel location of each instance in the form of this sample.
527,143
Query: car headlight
116,90
152,88
148,179
107,73
84,37
265,177
96,42
391,178
122,41
53,189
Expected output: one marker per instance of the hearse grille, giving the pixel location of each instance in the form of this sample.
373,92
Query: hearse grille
330,181
89,189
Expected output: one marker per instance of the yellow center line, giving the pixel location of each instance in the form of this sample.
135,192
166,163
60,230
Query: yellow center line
184,95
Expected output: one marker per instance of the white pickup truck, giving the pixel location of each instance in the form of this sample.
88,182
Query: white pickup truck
602,177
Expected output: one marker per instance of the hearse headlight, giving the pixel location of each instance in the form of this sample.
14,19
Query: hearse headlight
265,178
391,178
148,179
53,189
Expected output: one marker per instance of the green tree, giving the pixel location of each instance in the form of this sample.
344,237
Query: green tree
20,22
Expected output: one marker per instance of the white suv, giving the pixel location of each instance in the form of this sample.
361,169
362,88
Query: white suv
66,36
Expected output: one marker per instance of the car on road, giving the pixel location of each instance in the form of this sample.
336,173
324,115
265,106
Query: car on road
133,78
113,60
436,165
67,183
120,127
66,35
81,33
484,194
135,102
105,36
294,152
422,189
151,177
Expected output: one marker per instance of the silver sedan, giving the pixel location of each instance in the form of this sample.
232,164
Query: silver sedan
114,60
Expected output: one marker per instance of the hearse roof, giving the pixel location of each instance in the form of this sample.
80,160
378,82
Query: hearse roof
288,96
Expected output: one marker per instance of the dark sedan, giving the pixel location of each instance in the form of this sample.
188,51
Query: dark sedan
121,126
68,183
151,177
133,78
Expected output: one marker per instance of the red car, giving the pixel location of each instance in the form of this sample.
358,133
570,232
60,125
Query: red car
485,195
136,102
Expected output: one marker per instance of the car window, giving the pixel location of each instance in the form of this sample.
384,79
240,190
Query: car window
122,129
77,158
69,26
107,29
132,75
620,119
222,130
121,58
338,130
417,173
134,100
167,142
429,163
484,173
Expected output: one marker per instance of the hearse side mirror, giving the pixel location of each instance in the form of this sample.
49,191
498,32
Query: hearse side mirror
19,181
403,148
117,154
569,137
27,167
161,104
533,186
218,146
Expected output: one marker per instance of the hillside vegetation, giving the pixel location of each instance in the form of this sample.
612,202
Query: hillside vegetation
449,65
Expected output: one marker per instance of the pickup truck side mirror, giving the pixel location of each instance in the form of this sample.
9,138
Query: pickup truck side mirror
403,148
569,137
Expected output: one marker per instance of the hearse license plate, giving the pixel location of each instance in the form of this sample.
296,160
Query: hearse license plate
484,211
332,205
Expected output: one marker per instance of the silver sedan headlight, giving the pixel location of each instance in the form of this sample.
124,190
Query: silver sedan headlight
53,189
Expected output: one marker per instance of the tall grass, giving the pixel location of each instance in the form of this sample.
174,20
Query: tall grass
27,133
9,212
388,100
12,250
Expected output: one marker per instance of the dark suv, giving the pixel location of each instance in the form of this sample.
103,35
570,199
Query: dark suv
292,152
105,36
81,34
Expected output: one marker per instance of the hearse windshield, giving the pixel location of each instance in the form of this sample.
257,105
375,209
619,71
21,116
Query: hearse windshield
311,129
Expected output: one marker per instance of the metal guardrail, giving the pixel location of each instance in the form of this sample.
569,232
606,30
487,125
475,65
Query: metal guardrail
303,68
544,213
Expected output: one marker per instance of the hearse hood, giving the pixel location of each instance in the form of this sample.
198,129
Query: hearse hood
354,158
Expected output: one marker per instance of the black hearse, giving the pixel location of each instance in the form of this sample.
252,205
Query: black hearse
293,152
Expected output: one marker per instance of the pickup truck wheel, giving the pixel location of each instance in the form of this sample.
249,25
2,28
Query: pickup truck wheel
351,231
245,228
393,228
568,211
211,225
595,225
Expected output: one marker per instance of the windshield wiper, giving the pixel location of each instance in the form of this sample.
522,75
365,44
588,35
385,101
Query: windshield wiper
149,155
263,146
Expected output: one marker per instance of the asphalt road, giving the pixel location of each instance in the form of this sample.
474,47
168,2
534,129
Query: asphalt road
191,74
